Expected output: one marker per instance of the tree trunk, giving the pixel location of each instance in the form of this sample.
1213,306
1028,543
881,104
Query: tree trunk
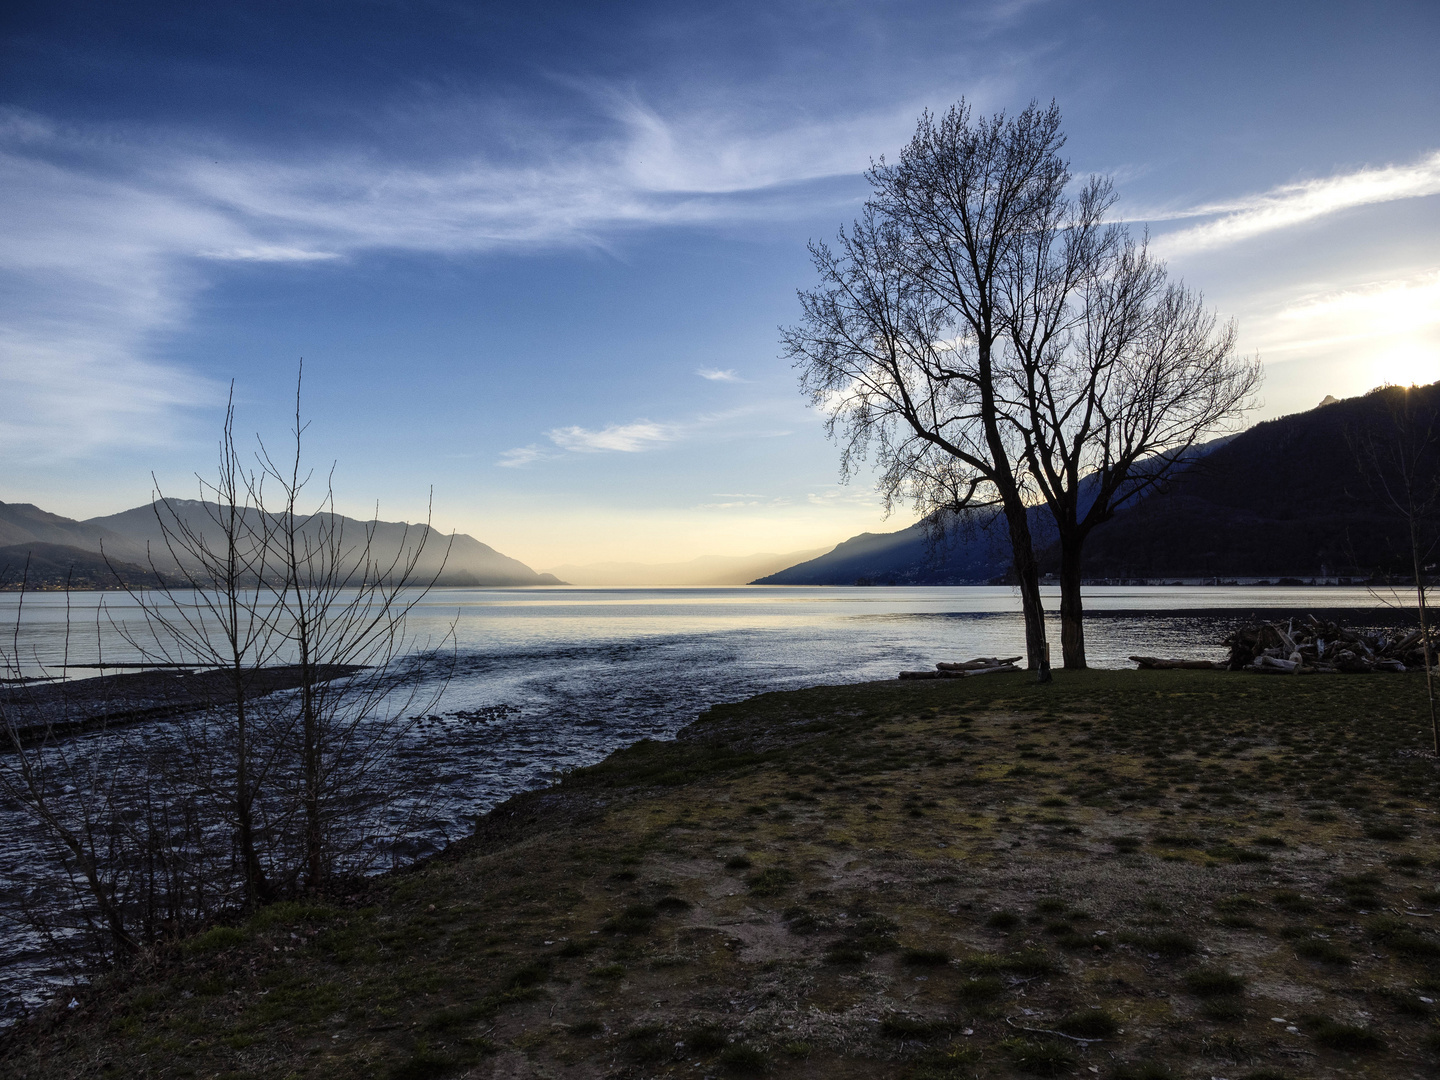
1027,574
1415,548
314,834
257,886
1072,609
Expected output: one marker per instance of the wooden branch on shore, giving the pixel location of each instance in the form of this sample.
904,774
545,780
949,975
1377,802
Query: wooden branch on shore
985,665
1166,664
978,662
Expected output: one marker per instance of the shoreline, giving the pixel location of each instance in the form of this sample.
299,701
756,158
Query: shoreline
885,829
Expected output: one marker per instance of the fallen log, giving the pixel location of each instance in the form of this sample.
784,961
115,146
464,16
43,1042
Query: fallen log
1273,665
1163,664
947,673
983,671
978,662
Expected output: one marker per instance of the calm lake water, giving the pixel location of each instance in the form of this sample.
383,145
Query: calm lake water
553,678
562,676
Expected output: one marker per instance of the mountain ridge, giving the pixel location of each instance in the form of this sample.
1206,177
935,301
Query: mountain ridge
1284,498
61,549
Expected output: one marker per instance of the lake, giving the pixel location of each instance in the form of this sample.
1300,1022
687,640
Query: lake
561,676
550,679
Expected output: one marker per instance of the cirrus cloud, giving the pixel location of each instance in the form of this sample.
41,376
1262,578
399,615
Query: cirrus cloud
626,438
1294,204
718,374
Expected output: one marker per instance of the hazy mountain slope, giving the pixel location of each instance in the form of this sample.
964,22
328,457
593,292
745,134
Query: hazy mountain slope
907,557
466,560
134,537
706,570
22,523
1285,497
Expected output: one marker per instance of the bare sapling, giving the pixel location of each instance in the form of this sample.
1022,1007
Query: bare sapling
345,603
213,608
1399,456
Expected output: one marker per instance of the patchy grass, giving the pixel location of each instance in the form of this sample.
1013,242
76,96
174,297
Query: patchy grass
1214,982
924,880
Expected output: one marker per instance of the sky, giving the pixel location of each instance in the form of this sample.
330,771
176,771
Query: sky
536,257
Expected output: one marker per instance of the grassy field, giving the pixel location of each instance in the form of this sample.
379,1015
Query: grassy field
1123,874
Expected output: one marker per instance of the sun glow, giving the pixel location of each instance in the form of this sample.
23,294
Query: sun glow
1410,364
1356,337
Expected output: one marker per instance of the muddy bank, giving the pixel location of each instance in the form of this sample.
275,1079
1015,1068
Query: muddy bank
36,711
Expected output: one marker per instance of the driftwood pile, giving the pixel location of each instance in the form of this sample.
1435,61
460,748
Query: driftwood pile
981,665
1311,645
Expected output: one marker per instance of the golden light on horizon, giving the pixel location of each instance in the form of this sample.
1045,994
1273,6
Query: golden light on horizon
1411,363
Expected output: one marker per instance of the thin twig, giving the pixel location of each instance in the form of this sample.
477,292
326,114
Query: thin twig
1046,1031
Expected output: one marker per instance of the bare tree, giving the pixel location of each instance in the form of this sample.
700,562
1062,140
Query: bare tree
903,343
345,606
271,773
1399,453
221,556
992,339
1114,376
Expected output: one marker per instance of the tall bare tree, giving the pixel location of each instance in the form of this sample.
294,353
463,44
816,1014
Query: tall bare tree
345,605
1113,376
268,774
903,342
309,622
995,342
221,553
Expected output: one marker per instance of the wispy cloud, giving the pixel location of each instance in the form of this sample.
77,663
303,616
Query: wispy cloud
268,253
1294,204
718,375
523,455
629,438
751,421
625,438
107,236
87,286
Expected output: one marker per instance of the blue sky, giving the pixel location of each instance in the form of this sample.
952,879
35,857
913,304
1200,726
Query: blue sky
535,256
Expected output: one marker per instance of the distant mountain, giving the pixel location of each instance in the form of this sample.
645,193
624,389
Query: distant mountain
971,555
22,523
706,570
133,541
1285,498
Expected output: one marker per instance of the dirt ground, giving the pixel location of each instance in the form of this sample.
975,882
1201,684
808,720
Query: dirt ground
1123,874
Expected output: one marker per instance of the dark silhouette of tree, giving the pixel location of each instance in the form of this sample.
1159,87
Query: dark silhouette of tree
261,763
902,345
992,341
1115,375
